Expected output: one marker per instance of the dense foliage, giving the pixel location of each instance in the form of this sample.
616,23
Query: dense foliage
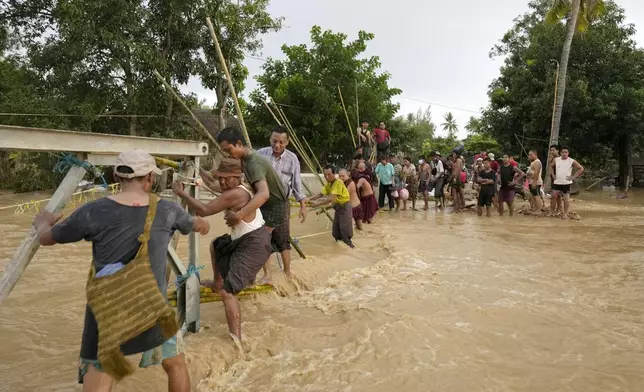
306,84
94,60
604,107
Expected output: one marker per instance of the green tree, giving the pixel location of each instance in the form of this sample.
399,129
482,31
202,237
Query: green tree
475,143
605,92
450,125
411,131
306,84
579,14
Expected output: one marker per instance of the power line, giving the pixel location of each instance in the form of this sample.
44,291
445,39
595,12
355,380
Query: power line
80,115
441,105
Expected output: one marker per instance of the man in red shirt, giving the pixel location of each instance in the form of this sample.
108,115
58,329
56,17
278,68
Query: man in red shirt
494,165
513,162
482,155
383,139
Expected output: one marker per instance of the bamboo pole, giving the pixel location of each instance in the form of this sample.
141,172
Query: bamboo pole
288,124
185,106
357,106
347,116
222,60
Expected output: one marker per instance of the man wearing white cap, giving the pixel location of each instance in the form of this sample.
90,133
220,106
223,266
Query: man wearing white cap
118,226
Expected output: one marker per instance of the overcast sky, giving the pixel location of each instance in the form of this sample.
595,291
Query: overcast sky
436,51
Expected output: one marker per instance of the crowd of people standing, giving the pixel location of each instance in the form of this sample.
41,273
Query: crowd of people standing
130,231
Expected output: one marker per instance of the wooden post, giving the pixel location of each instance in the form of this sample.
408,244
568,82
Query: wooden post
30,245
192,283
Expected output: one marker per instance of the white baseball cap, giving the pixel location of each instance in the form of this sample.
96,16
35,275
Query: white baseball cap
139,161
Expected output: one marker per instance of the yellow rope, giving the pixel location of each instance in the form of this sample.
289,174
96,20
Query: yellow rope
77,198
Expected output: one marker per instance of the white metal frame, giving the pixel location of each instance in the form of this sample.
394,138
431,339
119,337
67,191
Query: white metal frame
101,150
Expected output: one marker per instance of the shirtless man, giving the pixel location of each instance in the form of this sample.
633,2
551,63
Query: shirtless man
535,181
457,186
368,200
236,257
357,211
424,180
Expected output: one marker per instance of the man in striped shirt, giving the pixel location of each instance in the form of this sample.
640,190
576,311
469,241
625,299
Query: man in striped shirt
287,167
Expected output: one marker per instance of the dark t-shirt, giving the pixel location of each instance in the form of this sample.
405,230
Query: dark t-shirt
258,168
507,176
487,189
113,229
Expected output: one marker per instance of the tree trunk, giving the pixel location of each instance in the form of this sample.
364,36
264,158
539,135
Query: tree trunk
131,110
571,27
624,152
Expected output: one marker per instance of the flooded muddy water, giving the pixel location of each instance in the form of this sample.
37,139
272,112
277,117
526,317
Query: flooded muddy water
429,301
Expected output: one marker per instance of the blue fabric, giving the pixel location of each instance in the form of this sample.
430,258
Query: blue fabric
386,173
110,269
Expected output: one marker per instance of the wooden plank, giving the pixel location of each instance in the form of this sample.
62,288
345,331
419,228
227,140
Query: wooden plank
192,284
30,244
14,138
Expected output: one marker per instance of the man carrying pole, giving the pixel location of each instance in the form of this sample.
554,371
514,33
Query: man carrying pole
130,232
287,167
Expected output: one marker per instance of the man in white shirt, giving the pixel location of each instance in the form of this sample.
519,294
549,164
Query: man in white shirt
562,167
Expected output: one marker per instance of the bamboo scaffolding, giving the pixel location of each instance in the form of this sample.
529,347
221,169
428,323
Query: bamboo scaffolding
229,79
347,116
185,106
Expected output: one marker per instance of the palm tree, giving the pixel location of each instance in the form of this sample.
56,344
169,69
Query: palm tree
450,124
579,14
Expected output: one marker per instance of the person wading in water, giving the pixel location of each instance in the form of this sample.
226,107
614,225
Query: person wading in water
357,211
424,183
486,178
287,167
438,175
269,194
456,184
336,193
367,199
564,178
236,257
535,181
385,175
130,232
508,177
410,178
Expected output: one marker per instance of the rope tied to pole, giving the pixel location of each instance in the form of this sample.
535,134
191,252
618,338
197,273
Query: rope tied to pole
66,161
192,270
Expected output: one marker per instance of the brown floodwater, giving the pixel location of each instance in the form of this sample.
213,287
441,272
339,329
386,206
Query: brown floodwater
427,302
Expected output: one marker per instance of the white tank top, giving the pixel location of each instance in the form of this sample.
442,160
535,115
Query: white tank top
244,227
564,170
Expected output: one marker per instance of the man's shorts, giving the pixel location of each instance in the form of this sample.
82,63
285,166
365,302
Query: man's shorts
281,234
507,195
535,190
485,199
170,349
563,189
